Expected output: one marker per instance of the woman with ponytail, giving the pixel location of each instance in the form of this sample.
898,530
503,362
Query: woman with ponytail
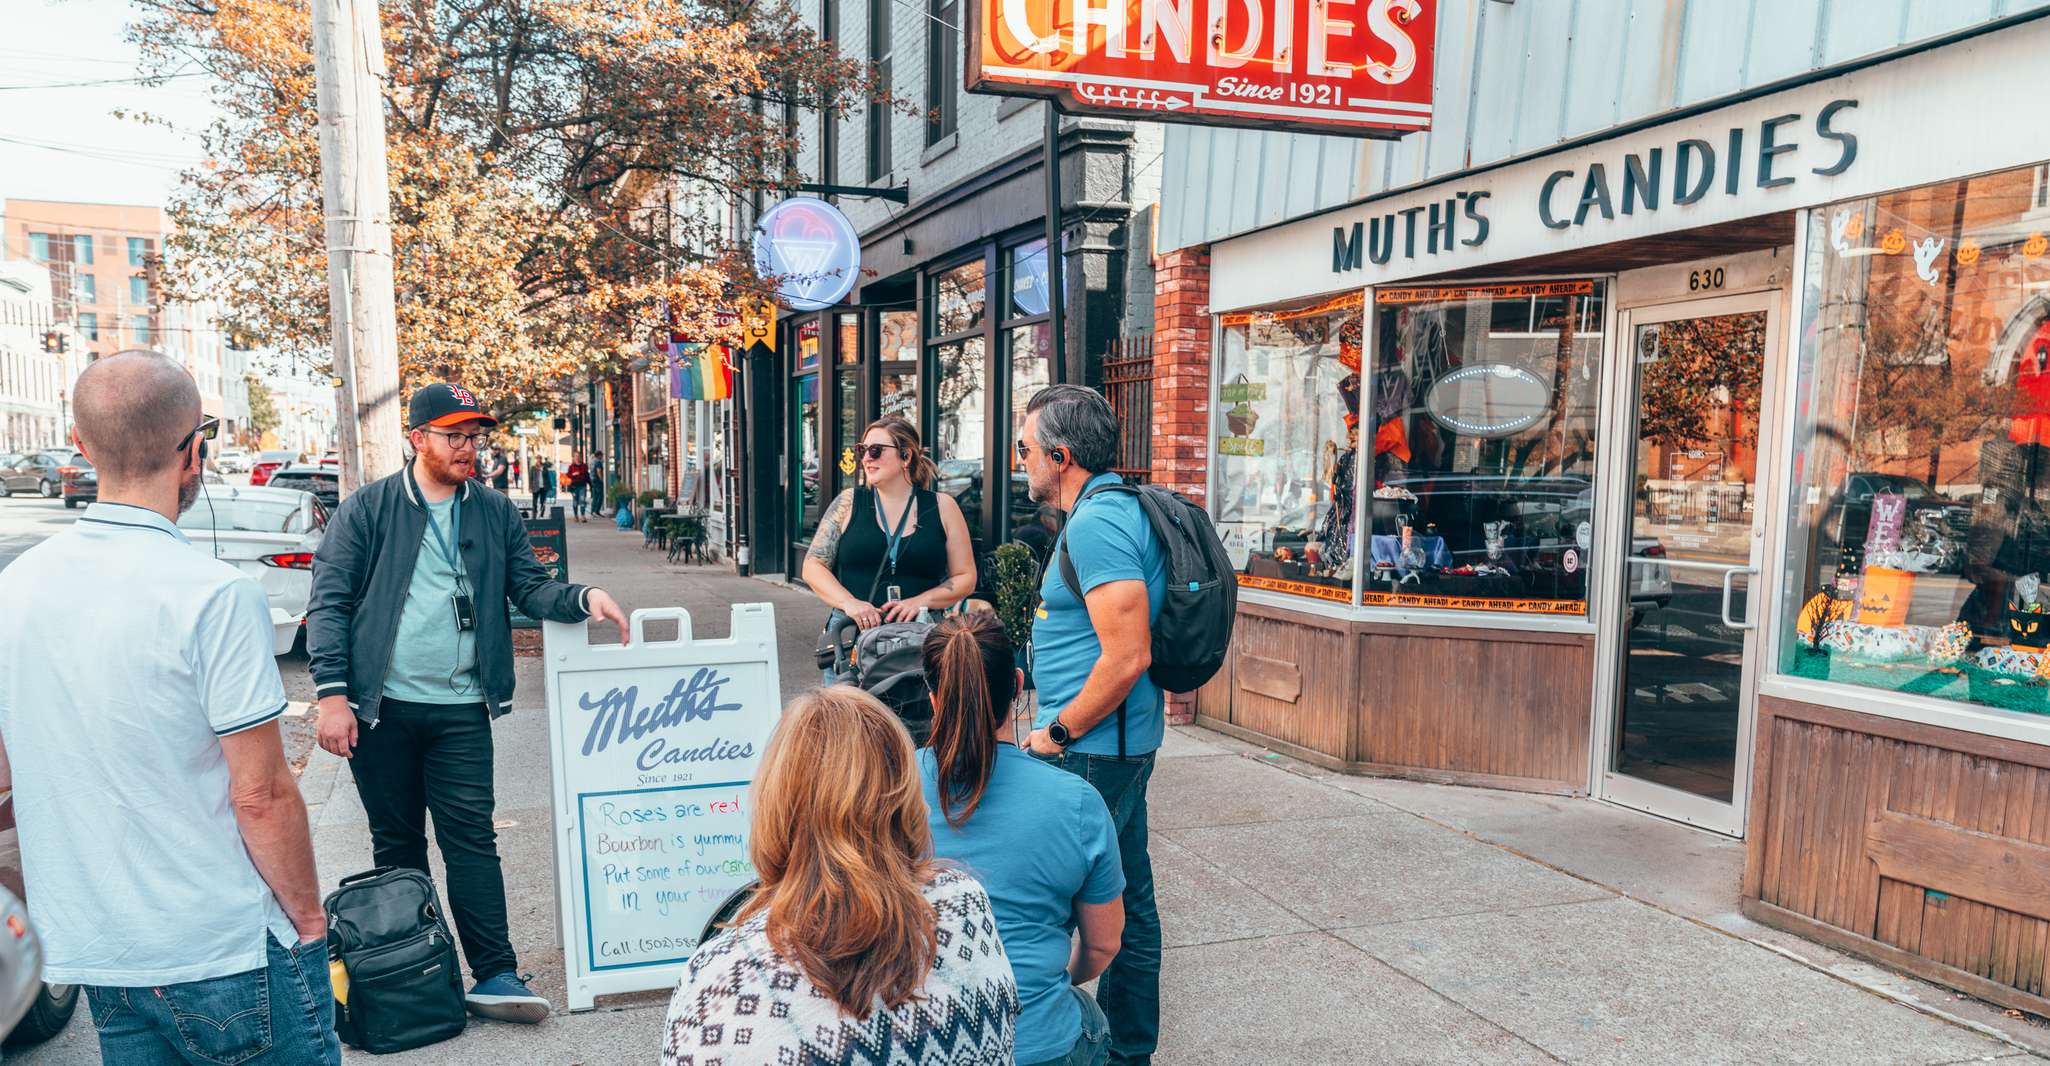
891,546
1037,838
839,949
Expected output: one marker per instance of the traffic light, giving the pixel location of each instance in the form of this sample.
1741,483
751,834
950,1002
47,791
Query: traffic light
56,343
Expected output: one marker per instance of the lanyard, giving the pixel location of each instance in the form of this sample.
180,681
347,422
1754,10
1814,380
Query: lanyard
896,536
455,518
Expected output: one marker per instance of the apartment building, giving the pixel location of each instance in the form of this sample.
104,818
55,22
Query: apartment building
33,379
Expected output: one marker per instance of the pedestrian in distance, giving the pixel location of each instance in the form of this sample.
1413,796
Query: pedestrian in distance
410,646
501,471
542,485
839,951
579,487
1039,840
162,834
1100,716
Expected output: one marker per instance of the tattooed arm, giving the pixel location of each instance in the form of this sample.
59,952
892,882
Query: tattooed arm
819,558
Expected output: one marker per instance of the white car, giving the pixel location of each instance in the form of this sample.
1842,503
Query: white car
234,461
269,534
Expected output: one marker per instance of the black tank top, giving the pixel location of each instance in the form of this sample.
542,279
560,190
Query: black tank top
865,548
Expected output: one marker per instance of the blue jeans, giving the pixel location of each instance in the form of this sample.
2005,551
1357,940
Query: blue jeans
282,1014
1092,1048
1130,990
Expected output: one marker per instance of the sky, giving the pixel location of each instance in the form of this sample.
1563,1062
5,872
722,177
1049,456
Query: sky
59,141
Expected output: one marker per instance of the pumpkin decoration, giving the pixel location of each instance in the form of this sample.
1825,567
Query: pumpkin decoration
1967,252
2036,245
1895,242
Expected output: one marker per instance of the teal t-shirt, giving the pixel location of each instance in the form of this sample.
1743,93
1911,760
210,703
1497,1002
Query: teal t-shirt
1109,539
1039,841
432,661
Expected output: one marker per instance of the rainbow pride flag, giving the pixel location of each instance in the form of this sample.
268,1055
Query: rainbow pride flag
699,371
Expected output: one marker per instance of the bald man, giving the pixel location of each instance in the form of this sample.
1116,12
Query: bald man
162,835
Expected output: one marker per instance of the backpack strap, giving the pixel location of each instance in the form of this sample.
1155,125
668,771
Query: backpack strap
1074,582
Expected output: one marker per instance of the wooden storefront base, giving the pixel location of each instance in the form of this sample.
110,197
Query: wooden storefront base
1923,848
1490,707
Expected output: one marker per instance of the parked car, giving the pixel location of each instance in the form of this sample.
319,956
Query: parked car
267,463
322,481
234,461
269,534
35,472
81,482
30,1011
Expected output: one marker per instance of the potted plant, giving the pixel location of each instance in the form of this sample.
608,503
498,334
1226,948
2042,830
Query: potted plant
1017,591
621,496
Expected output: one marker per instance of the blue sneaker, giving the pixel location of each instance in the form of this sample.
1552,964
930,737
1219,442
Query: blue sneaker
506,998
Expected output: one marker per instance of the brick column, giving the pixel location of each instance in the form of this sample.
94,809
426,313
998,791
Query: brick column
1181,390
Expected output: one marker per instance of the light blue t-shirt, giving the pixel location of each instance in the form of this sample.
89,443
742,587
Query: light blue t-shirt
1039,840
432,661
1109,539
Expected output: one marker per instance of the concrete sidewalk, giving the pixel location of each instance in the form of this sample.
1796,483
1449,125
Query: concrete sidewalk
1310,917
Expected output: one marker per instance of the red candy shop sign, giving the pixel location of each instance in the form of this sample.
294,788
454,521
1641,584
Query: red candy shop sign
1323,66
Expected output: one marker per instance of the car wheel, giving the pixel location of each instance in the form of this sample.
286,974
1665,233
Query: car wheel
48,489
46,1017
4,490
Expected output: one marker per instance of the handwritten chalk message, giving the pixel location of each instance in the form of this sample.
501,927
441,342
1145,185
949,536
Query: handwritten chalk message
657,856
654,746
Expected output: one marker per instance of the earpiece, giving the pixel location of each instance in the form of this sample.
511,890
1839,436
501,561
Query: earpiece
1058,455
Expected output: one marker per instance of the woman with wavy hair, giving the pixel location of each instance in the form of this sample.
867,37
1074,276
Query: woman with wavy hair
891,546
1038,838
838,953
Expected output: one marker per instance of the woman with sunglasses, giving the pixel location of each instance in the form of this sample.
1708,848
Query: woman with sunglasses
891,546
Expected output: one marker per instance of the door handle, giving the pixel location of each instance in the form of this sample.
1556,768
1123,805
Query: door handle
1729,583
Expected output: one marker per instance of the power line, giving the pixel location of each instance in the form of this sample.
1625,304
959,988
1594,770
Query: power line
142,79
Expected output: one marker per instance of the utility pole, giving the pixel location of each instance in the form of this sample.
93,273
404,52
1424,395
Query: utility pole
349,72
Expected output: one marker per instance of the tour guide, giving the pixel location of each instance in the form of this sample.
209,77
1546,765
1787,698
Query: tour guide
408,632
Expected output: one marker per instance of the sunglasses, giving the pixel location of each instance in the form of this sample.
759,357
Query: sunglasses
208,429
875,451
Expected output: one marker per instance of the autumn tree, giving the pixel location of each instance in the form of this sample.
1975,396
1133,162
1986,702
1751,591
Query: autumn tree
1699,381
535,148
263,410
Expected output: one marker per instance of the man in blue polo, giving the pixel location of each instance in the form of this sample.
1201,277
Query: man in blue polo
1100,715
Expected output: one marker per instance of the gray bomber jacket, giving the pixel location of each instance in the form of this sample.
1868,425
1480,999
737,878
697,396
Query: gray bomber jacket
364,569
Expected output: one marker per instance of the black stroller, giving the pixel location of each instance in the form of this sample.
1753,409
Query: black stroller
886,662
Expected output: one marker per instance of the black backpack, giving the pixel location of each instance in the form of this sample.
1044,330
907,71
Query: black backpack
887,662
1193,633
404,989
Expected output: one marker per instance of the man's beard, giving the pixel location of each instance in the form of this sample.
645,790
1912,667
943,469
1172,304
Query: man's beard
188,491
443,472
1048,491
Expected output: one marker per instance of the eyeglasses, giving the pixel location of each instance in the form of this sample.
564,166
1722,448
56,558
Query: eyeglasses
459,441
1024,450
209,428
875,451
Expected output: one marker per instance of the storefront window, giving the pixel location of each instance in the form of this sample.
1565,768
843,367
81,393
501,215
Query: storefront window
900,335
1028,280
1288,398
808,345
1481,446
1920,528
960,434
848,380
900,392
958,299
811,502
1031,371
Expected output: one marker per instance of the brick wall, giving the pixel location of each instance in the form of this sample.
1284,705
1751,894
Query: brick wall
1181,388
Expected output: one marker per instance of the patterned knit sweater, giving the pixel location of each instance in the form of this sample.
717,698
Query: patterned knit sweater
742,1002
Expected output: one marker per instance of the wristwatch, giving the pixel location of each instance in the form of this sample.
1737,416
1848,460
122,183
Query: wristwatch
1059,734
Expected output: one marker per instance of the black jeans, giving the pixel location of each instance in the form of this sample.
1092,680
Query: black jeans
433,757
1129,991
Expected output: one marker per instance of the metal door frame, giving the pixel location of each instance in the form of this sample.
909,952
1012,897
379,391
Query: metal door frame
1618,476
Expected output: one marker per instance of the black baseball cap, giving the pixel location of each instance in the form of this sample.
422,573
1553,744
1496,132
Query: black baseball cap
445,405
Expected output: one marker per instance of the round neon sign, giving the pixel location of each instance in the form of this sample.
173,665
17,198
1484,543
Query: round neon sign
811,251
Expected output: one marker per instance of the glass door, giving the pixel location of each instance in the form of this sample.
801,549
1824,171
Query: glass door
1682,632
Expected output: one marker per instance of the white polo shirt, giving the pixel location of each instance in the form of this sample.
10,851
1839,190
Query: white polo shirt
126,653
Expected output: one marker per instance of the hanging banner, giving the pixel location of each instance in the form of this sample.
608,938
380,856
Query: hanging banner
1360,67
653,746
